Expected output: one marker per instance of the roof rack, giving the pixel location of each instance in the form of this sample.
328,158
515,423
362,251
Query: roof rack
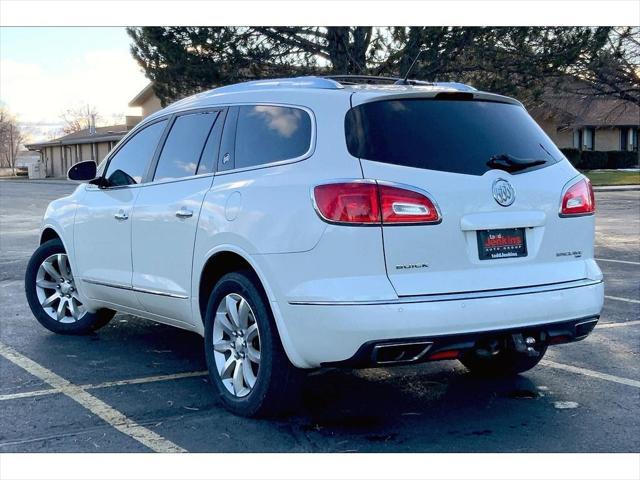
371,79
331,82
360,79
295,82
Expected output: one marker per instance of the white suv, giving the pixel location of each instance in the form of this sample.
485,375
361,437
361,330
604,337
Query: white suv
310,222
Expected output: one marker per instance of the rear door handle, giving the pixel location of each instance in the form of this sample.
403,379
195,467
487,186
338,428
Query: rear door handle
184,213
121,215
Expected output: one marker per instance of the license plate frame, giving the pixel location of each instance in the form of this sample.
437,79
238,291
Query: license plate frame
501,243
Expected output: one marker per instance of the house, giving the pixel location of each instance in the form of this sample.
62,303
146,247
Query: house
586,122
147,101
92,143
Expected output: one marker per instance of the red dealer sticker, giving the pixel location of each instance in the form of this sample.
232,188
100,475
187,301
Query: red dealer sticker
503,243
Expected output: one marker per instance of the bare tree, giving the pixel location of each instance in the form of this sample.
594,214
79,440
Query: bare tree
79,118
11,137
615,70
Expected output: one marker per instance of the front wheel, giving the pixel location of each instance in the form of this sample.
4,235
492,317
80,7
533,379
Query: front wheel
247,363
52,295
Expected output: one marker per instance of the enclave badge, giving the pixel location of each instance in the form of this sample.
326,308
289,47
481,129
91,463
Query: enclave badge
503,192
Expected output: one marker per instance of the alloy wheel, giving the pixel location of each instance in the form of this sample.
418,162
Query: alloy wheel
56,290
236,345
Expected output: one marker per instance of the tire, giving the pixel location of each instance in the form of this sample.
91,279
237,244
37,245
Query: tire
275,380
40,285
505,363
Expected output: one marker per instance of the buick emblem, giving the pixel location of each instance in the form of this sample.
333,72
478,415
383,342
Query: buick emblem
503,192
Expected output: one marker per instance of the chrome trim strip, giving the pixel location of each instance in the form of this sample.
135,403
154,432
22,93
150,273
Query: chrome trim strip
134,289
451,297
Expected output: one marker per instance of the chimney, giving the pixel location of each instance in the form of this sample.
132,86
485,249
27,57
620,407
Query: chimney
92,124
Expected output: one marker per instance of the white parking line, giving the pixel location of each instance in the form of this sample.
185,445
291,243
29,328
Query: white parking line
621,299
591,373
96,406
628,262
617,324
116,383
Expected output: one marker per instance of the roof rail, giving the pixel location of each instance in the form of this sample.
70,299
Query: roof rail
456,85
359,79
371,79
295,82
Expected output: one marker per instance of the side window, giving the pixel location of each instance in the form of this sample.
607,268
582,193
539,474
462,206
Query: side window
266,134
210,152
130,163
184,145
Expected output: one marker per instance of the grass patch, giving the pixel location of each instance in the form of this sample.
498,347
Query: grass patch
612,177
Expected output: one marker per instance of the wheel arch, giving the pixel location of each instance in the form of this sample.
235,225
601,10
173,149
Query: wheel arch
226,259
49,233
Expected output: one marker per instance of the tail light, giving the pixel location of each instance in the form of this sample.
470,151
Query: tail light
370,203
578,199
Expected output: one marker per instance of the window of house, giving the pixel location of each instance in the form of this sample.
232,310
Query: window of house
184,145
129,165
268,134
577,139
629,139
624,139
588,138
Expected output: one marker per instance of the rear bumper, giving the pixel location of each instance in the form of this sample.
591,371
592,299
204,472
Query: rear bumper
341,333
448,347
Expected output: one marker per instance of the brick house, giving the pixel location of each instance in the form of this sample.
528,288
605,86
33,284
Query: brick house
589,123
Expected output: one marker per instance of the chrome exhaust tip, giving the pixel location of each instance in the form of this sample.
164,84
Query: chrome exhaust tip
390,353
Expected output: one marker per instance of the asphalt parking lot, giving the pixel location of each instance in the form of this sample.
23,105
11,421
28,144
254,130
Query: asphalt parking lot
137,386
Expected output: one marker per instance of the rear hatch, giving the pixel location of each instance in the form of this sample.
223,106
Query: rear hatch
497,180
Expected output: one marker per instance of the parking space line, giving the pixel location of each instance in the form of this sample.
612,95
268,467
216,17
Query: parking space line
156,378
621,299
591,373
617,324
106,412
115,383
628,262
34,393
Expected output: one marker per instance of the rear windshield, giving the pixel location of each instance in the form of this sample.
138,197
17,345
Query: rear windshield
458,136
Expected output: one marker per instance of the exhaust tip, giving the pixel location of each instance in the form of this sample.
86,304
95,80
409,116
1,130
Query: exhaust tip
389,353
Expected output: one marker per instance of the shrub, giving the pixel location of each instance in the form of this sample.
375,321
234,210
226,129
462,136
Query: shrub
623,159
573,155
592,160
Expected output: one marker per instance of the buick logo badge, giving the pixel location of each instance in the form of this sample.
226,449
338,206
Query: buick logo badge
503,192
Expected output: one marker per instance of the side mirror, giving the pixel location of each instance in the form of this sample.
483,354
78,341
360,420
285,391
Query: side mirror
83,171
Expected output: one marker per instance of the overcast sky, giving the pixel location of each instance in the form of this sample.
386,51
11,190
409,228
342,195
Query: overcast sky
46,70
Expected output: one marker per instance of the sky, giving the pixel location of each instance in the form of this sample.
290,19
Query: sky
47,70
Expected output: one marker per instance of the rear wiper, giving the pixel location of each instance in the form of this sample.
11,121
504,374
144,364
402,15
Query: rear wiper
510,163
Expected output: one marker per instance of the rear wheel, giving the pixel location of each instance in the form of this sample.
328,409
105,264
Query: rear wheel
247,363
503,363
52,294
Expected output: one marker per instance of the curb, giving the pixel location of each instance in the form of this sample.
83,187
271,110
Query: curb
41,182
617,188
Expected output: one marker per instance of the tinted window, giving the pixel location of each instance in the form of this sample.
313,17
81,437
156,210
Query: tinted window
449,135
181,152
269,134
210,152
130,163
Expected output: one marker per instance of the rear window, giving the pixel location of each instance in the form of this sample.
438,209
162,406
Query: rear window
458,136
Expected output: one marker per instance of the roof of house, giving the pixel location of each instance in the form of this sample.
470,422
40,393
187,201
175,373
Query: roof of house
583,110
142,96
102,134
